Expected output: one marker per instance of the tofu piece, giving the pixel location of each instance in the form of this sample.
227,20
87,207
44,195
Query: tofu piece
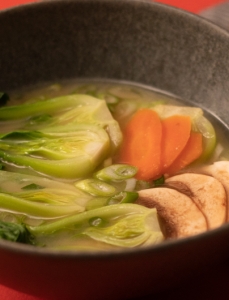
180,216
207,192
220,171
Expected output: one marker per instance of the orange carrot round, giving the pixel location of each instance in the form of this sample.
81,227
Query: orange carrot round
176,132
142,144
191,152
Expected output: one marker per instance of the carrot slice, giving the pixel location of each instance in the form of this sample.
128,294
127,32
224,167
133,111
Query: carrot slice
142,144
191,152
176,132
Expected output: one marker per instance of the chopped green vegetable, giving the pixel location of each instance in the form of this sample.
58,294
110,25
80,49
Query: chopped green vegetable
39,197
15,233
96,187
96,202
36,209
130,231
50,106
116,172
71,155
65,137
121,225
123,197
105,212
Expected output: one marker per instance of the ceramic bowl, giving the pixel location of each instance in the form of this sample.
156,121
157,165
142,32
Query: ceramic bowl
137,41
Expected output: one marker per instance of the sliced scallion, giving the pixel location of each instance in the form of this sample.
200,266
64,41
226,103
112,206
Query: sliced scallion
130,184
116,172
96,187
123,197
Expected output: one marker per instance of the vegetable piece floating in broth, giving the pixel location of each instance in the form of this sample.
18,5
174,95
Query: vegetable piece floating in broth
15,233
31,197
142,144
120,225
117,172
176,132
76,137
192,151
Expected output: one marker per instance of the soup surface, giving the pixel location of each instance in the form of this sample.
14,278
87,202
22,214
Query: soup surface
94,166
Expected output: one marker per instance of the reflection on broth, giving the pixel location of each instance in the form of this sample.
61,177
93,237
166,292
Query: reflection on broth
91,166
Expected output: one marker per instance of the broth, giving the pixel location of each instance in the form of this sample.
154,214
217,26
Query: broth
74,177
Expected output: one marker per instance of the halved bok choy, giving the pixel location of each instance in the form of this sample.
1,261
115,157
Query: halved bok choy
30,197
65,138
120,225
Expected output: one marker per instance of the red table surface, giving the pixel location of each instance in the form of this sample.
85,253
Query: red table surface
191,5
218,292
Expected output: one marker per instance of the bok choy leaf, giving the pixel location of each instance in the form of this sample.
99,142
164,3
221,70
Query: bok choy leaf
15,233
51,200
79,134
121,225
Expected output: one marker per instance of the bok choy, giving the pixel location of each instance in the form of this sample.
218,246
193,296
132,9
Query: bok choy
15,233
120,225
38,197
65,137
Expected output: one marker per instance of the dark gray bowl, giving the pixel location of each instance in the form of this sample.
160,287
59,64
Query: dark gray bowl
128,40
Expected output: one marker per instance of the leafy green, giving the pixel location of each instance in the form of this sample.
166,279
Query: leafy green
122,225
96,187
51,106
36,209
15,233
96,202
65,137
22,195
130,231
62,155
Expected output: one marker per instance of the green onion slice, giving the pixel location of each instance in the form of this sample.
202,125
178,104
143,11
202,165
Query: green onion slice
123,197
96,187
116,172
